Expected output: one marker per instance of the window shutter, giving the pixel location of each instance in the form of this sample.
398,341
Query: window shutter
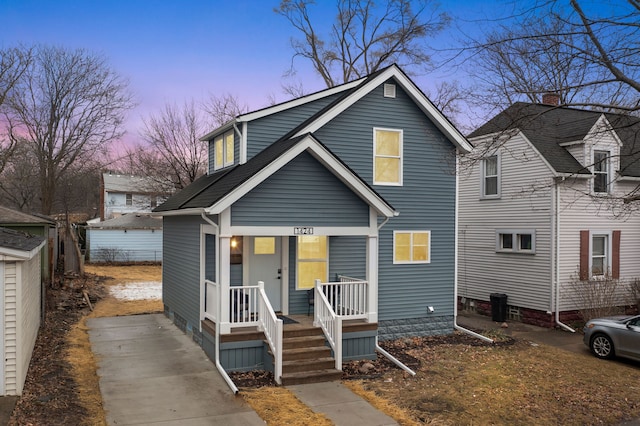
615,255
584,255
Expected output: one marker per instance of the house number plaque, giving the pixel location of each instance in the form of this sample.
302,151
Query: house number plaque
303,230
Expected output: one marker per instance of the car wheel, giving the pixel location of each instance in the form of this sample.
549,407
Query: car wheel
602,346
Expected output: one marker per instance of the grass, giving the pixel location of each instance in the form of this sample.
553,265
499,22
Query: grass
516,385
278,406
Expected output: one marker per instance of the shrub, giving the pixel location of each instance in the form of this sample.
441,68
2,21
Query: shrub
599,297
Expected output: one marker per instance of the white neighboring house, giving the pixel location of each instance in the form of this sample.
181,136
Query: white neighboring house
134,237
20,306
537,215
122,194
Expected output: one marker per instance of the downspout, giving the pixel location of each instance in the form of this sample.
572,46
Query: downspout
219,366
378,348
455,266
557,268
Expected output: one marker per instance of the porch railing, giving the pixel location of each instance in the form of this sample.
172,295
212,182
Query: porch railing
249,306
271,326
330,322
348,297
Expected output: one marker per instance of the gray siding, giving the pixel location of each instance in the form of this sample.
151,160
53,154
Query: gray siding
265,131
134,245
302,193
181,267
426,201
360,345
347,256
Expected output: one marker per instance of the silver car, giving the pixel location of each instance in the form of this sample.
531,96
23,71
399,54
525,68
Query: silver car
614,336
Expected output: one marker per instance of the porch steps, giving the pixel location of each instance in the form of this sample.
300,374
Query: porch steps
306,358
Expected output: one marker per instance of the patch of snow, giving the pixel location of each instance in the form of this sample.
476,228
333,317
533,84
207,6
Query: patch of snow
149,290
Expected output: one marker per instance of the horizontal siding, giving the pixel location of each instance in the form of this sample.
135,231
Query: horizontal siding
586,213
130,245
425,201
29,317
360,345
181,266
264,131
10,329
526,279
302,193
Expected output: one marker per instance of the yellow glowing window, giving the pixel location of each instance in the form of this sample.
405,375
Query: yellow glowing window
312,260
387,165
228,140
412,247
223,150
264,245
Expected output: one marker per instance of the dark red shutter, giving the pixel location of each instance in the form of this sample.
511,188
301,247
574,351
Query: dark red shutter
615,255
584,255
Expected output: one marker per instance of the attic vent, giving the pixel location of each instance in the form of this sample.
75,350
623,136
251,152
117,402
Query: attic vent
389,90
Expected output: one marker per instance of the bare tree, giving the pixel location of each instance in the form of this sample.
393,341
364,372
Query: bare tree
19,179
223,108
174,152
13,64
365,36
67,106
589,61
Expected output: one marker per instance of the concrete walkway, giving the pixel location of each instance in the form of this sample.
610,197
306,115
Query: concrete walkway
151,373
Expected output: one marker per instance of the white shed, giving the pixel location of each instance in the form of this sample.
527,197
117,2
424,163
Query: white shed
20,306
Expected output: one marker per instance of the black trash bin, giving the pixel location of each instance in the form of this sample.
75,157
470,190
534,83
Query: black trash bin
498,307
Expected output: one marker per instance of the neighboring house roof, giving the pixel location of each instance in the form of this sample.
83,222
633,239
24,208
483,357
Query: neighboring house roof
14,217
19,245
219,190
130,221
132,184
549,127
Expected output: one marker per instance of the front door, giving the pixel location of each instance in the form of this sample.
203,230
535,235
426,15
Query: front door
265,265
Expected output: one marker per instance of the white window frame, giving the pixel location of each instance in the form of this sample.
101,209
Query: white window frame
607,165
298,261
222,139
498,176
128,199
516,241
411,262
400,156
608,255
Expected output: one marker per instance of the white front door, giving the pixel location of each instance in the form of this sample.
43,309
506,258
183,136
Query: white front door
265,265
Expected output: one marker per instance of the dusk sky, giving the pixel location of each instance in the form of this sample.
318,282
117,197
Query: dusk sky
172,51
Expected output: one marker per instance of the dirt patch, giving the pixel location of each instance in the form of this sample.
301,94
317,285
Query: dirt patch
62,384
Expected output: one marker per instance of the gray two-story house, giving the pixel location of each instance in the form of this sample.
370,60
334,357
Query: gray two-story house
339,207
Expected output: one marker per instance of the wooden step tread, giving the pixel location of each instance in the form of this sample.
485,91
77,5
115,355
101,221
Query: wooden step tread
327,375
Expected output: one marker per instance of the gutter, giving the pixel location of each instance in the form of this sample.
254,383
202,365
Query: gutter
557,266
455,267
219,366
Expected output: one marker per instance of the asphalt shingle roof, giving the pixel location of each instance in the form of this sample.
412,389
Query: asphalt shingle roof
17,240
14,217
547,127
130,221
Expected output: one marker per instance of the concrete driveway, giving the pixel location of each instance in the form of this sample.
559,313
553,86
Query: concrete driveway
151,373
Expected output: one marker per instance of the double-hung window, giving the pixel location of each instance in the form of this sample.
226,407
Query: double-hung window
600,259
312,260
411,247
601,171
516,241
491,176
129,199
387,156
223,150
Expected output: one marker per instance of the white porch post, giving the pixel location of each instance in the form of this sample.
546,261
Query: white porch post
224,270
372,267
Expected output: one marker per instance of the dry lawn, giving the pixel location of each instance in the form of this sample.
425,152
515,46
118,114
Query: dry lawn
519,384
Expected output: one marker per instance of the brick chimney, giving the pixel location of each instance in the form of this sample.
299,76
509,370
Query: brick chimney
552,99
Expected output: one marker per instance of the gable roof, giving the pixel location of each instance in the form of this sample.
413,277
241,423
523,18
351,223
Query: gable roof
19,245
121,183
351,93
13,217
549,127
214,193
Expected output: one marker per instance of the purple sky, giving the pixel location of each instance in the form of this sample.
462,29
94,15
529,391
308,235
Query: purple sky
172,51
